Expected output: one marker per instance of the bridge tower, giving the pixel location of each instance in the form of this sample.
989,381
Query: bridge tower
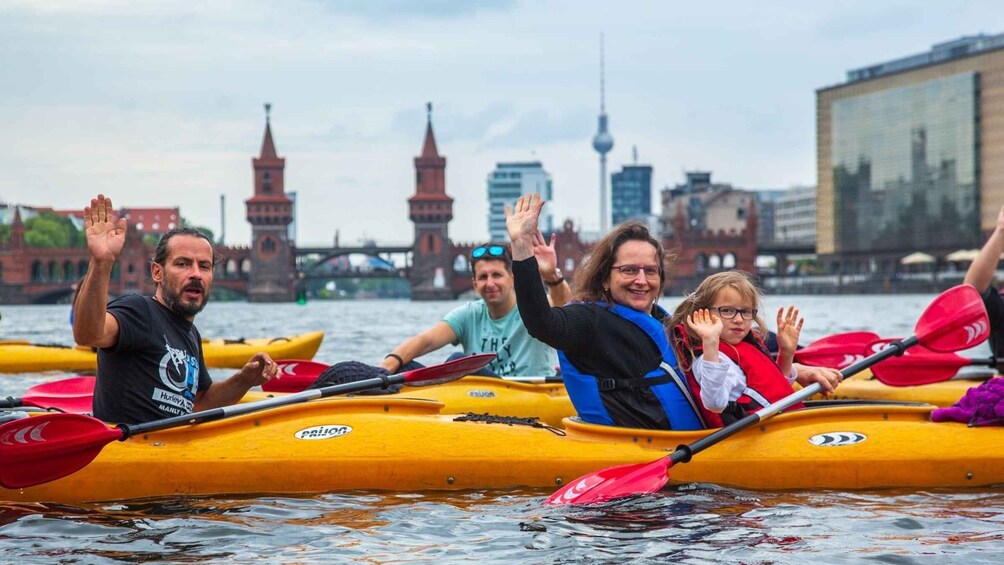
17,231
269,212
431,210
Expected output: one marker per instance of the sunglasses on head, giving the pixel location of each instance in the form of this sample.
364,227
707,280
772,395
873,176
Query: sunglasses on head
490,250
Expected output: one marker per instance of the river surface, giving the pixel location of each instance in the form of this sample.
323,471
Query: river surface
693,523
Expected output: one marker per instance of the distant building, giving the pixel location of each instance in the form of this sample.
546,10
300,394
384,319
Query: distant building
766,200
795,216
603,142
631,192
712,227
910,156
705,205
508,182
152,221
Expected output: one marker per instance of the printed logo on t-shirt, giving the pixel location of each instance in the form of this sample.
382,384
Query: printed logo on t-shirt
179,372
503,364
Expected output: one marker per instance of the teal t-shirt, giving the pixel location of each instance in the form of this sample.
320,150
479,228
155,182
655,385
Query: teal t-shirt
517,354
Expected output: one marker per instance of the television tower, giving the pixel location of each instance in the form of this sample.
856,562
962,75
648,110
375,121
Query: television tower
603,142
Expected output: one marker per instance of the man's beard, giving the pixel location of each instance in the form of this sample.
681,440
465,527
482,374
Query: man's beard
174,301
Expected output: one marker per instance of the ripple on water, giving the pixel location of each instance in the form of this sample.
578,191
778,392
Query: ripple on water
692,523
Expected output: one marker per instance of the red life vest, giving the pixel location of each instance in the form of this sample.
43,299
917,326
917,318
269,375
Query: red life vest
765,383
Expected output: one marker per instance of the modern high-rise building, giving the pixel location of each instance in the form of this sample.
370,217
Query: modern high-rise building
795,216
765,199
508,182
631,193
910,156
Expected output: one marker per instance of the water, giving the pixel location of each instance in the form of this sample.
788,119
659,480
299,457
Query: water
695,523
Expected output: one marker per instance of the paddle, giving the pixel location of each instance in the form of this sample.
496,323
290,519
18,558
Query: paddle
955,320
69,395
297,375
44,448
922,366
837,351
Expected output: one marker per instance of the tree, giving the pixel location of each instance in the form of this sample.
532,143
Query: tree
49,229
209,233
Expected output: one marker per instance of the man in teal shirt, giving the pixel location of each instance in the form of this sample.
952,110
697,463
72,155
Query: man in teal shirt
492,324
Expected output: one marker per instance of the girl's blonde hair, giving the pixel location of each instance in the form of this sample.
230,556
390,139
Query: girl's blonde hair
704,298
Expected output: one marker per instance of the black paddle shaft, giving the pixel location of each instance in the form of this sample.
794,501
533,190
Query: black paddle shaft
683,453
383,381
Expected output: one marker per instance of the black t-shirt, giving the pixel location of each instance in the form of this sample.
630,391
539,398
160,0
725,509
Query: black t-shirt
156,368
994,303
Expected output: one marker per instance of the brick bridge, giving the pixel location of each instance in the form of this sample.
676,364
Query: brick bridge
272,268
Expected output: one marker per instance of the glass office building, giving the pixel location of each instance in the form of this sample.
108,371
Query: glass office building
631,193
909,157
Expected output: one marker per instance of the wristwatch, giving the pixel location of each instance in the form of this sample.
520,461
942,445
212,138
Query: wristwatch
560,278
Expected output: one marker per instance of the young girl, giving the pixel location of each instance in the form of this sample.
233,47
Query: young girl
723,353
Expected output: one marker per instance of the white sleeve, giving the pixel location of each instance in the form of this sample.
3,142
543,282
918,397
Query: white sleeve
793,375
720,382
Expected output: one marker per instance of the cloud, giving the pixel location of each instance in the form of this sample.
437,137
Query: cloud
542,127
383,10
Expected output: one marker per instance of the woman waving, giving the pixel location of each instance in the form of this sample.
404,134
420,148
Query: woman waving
616,360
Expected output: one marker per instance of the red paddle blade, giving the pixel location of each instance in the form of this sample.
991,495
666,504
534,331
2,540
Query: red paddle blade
846,338
837,350
916,366
75,395
446,372
614,482
44,448
955,320
295,375
835,355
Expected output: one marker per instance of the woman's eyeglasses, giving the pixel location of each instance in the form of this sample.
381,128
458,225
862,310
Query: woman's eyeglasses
631,271
729,312
490,250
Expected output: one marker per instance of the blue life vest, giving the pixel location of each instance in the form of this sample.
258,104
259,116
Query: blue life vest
669,387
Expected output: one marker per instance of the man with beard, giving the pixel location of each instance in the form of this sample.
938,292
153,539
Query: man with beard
150,363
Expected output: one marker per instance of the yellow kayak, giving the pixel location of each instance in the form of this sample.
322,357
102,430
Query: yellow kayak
944,393
407,445
25,357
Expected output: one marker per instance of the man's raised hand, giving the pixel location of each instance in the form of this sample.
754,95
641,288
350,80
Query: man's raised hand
105,236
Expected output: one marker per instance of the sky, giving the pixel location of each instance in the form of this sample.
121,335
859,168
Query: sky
160,103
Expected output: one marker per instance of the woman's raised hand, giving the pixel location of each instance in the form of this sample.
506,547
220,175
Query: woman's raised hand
521,223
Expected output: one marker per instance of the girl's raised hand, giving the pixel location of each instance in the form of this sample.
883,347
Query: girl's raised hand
705,324
789,326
